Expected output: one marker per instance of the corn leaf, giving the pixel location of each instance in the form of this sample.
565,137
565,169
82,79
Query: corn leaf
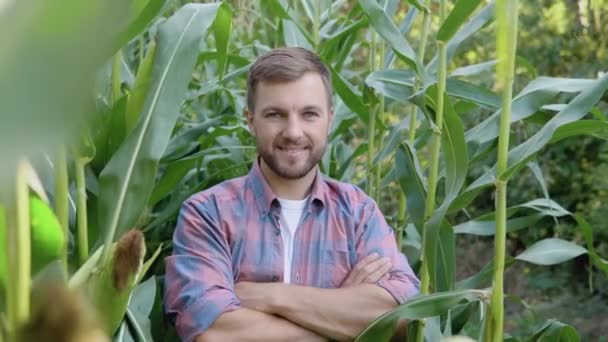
135,101
126,181
412,182
551,251
459,14
416,308
385,27
222,28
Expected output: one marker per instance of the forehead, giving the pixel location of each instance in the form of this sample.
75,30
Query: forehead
308,90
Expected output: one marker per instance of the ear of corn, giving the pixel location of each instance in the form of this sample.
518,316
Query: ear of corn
48,240
109,286
47,237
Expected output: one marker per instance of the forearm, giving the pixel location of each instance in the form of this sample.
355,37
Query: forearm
250,325
340,314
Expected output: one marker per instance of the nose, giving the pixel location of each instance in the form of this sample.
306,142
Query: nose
293,128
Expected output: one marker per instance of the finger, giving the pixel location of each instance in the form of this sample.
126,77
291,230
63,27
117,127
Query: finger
367,260
370,269
356,274
379,273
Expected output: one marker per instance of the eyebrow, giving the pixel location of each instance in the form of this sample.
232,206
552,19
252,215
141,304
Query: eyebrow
279,109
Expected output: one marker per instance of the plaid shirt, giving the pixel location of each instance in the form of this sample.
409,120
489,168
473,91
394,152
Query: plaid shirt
231,233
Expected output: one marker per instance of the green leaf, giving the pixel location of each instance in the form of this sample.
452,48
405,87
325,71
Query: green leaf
139,308
543,90
412,182
418,5
332,42
483,277
396,85
475,69
352,99
459,14
474,93
135,102
596,128
275,7
455,155
144,17
292,35
385,27
587,232
488,228
551,251
39,39
536,94
222,27
575,110
416,308
126,181
445,269
466,31
555,331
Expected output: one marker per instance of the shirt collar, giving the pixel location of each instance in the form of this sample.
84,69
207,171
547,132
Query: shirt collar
266,197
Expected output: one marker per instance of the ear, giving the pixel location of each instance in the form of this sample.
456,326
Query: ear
249,118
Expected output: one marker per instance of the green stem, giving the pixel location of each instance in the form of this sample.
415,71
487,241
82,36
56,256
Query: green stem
401,218
380,111
81,212
506,14
116,79
19,261
371,132
434,166
141,49
62,209
426,28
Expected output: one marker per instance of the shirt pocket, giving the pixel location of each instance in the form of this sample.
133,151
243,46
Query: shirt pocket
336,266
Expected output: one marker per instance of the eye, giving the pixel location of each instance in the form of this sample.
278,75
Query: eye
311,114
272,115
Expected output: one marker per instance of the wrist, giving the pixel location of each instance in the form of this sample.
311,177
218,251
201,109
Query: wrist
278,294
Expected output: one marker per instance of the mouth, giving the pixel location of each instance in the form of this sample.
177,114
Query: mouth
292,150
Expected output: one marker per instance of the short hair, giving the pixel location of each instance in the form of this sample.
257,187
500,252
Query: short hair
286,64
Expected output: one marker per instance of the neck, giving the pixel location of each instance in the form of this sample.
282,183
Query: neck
291,189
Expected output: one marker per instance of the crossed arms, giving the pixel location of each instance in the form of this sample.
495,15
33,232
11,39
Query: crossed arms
207,304
283,312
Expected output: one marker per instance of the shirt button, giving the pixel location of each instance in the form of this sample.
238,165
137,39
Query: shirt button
275,278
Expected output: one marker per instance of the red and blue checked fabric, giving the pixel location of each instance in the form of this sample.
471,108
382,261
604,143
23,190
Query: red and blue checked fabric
231,233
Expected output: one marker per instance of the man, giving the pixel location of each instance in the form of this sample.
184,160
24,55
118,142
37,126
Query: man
284,253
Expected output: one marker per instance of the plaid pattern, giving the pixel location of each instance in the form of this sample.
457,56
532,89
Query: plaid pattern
231,233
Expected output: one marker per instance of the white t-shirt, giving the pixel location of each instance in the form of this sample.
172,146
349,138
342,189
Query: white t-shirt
291,211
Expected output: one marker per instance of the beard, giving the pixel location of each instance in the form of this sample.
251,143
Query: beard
290,169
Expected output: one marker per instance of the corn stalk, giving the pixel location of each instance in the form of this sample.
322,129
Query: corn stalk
19,254
81,211
434,164
506,42
371,130
426,27
62,209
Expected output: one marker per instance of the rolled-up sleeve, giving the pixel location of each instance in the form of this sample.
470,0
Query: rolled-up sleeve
375,235
199,282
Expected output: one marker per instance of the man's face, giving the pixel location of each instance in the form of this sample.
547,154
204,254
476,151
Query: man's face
290,124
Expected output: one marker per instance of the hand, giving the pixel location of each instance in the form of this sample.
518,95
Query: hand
368,271
256,296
